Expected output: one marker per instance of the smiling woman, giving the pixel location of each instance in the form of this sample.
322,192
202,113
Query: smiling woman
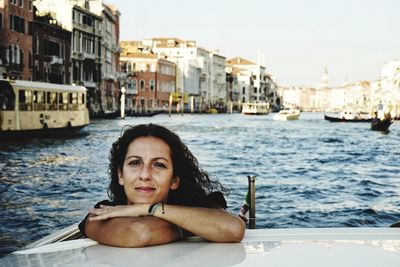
159,194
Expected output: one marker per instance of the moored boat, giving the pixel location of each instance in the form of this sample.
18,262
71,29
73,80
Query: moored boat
30,109
255,108
260,247
287,115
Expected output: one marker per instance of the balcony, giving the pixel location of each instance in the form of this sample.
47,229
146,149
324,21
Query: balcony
109,76
87,55
116,48
56,60
89,84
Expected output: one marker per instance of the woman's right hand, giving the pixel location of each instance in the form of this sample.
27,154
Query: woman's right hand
108,212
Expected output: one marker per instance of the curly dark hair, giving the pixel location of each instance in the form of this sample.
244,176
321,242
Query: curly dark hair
195,184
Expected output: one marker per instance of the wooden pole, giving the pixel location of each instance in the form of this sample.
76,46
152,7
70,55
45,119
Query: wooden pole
252,194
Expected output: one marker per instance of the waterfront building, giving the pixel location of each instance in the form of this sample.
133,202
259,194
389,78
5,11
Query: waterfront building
110,50
86,50
149,79
271,93
51,49
16,18
200,74
242,68
291,96
84,19
255,84
386,90
218,94
188,68
232,91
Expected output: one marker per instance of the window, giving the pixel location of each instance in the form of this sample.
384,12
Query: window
38,100
142,85
131,87
244,90
1,21
25,100
51,101
17,24
63,101
73,101
152,85
21,3
30,4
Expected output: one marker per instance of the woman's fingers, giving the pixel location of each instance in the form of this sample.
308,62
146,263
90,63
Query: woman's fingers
102,213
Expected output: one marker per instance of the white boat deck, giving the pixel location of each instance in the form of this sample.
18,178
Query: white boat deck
262,247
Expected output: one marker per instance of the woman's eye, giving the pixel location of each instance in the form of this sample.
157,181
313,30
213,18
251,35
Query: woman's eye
134,162
160,165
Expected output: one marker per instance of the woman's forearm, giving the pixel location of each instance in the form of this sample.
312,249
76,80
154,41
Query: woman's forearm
212,224
215,225
132,231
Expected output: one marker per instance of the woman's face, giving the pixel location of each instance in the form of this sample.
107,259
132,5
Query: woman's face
147,171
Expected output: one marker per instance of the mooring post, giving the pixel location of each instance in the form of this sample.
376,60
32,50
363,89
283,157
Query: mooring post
252,194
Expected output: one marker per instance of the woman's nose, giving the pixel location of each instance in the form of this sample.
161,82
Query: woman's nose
145,173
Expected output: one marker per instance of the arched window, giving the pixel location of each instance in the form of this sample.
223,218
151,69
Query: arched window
152,85
141,85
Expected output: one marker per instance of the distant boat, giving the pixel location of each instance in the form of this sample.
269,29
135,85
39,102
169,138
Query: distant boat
381,125
255,108
287,115
348,116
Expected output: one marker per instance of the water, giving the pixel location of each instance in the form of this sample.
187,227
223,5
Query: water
310,173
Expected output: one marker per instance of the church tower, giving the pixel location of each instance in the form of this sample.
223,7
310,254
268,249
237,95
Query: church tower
325,79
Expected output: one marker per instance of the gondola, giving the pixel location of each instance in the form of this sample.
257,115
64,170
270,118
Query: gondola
381,125
343,119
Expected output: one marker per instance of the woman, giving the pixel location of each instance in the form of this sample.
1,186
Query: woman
159,194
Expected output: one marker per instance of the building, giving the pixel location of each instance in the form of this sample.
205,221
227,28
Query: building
256,86
16,18
110,50
200,73
232,91
51,50
150,80
86,52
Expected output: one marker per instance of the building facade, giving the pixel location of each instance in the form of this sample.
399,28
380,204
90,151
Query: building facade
149,82
51,50
16,18
110,50
86,54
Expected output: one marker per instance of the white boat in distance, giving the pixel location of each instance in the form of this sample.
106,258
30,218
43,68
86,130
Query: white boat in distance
37,109
287,115
255,108
365,247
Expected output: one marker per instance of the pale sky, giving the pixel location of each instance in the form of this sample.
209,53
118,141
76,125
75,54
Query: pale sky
352,38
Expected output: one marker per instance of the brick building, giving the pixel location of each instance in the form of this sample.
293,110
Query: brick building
51,50
16,18
149,81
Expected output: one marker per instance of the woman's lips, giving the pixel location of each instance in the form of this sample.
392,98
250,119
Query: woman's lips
145,189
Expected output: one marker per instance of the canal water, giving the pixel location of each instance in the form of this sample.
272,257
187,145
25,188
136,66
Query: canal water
310,172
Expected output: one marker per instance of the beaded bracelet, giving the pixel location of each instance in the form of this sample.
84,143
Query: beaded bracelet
153,208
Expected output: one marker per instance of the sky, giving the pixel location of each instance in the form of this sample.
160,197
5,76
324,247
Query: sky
297,38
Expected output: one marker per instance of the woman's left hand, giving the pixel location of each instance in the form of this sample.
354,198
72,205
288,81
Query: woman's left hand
108,212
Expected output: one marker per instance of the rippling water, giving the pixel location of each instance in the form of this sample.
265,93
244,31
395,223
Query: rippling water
310,173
